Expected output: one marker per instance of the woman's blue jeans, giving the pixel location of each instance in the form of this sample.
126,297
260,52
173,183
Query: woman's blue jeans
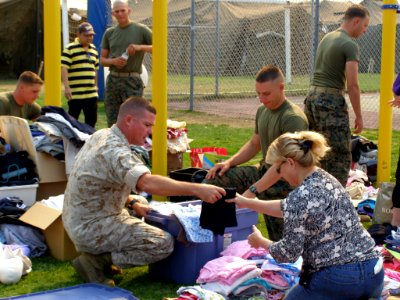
350,281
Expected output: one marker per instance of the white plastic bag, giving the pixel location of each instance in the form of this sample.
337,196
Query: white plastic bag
11,266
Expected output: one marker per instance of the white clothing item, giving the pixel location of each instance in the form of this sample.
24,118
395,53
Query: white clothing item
82,135
51,130
55,202
70,151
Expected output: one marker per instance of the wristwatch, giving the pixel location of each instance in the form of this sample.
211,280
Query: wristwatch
132,203
253,189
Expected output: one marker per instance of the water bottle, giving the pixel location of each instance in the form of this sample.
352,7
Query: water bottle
227,240
125,55
15,173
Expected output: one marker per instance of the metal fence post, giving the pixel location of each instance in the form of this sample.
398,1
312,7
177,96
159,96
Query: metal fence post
192,42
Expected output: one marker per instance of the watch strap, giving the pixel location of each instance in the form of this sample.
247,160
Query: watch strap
253,189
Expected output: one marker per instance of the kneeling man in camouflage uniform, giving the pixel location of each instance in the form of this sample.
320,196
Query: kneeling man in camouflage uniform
104,174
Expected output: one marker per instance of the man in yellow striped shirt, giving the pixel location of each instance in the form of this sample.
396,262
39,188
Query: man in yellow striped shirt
79,65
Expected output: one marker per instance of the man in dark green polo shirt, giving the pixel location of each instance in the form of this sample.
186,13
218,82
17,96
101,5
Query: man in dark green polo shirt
21,102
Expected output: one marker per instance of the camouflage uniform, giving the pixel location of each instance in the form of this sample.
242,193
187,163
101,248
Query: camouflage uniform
105,172
269,125
327,113
116,40
118,90
325,106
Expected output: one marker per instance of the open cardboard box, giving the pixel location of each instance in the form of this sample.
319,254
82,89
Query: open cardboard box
51,171
49,221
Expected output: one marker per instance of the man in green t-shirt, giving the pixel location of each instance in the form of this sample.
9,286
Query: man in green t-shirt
336,64
275,116
21,102
122,49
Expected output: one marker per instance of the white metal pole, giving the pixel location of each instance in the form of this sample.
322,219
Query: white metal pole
65,25
288,54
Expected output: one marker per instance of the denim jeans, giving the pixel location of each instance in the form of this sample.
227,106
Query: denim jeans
350,281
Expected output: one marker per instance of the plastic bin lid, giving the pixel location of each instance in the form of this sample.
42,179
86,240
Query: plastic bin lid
87,291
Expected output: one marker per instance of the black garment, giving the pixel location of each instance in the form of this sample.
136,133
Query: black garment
11,209
379,232
360,144
219,215
75,123
89,107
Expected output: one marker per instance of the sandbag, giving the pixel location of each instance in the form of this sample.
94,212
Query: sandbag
384,205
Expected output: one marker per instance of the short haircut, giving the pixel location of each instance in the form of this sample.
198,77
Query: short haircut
135,106
269,73
355,10
116,2
29,77
305,147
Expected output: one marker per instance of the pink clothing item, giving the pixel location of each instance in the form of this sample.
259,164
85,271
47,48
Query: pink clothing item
225,269
226,289
394,265
243,249
275,280
392,274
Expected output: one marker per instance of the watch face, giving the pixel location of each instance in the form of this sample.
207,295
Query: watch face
253,189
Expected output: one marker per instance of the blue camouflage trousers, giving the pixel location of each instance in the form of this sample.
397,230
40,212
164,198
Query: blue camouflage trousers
328,114
242,178
118,89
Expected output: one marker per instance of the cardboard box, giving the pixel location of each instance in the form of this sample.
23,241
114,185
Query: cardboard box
174,161
49,221
16,132
27,193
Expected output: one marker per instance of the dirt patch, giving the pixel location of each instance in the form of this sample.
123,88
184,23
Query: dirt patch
207,118
241,112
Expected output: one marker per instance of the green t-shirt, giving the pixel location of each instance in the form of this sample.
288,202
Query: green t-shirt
270,124
334,50
8,107
117,39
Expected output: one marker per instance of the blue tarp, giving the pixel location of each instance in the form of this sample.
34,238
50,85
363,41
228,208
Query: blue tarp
99,15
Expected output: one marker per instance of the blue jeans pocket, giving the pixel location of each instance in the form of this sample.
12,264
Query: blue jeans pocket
342,275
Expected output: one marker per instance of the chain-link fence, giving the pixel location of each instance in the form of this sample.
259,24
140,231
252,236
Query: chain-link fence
215,48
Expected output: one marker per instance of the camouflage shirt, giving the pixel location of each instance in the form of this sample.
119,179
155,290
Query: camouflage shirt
104,173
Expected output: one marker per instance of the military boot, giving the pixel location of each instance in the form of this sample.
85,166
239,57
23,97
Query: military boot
91,267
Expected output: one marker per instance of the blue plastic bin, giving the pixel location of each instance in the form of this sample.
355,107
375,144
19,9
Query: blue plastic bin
87,291
184,264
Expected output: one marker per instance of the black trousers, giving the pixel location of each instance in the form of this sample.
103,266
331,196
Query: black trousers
89,107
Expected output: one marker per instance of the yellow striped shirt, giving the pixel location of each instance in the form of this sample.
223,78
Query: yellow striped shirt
82,66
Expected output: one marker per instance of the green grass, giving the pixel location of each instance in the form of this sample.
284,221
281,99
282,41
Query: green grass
244,85
49,273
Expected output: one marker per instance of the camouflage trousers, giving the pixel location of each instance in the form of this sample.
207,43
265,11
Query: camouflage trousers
131,241
118,89
244,176
328,115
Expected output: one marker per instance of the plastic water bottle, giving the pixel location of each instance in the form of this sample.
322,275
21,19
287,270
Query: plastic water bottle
227,240
15,173
125,55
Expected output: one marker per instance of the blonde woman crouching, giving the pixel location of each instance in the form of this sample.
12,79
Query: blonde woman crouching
320,224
